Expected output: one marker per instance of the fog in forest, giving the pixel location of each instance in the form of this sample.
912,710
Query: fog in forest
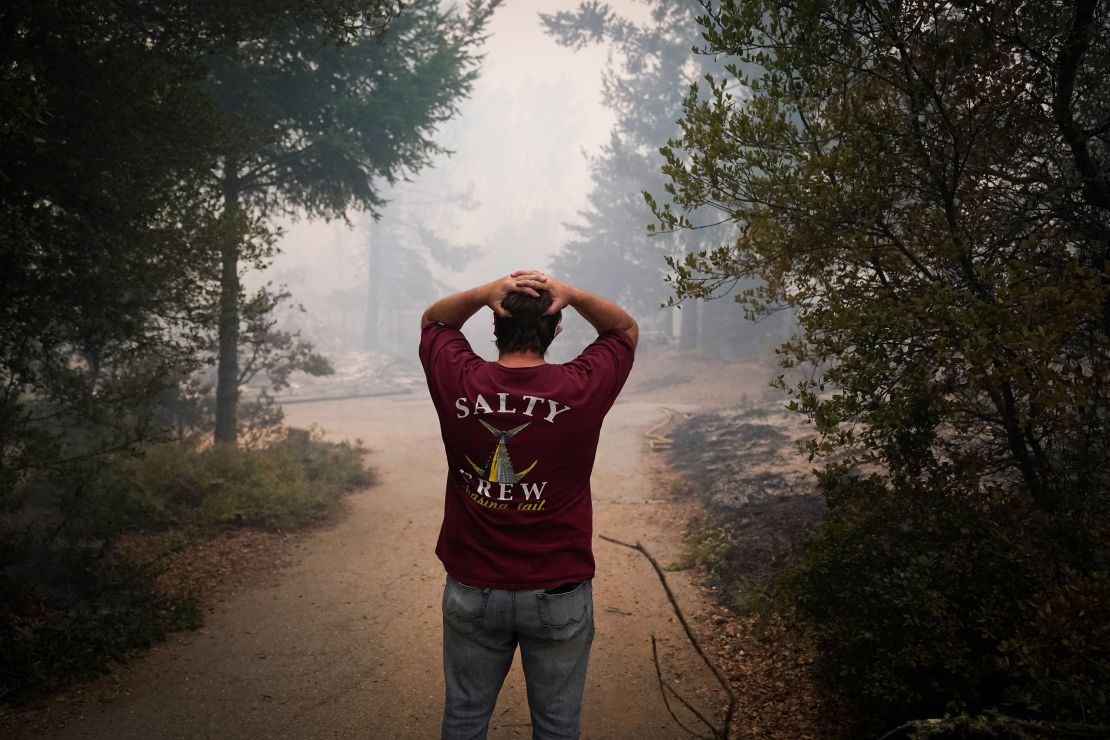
519,175
866,246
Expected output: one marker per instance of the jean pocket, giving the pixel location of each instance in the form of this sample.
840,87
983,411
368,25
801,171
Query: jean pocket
464,603
563,616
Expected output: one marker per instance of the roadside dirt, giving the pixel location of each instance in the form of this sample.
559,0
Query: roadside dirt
343,640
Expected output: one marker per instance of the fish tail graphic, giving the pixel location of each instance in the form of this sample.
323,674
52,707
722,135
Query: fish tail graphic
501,467
501,434
495,465
477,470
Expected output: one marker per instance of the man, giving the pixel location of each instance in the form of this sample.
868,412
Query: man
520,436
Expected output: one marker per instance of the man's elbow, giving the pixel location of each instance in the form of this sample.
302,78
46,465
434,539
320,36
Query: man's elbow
634,333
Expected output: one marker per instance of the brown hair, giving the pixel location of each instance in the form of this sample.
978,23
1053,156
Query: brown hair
527,327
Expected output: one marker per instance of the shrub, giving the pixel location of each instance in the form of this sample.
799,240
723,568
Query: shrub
704,545
1060,659
70,604
74,614
272,487
928,602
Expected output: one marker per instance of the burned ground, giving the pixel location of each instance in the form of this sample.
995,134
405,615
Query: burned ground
745,466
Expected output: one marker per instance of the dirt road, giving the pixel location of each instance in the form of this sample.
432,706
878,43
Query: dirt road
344,641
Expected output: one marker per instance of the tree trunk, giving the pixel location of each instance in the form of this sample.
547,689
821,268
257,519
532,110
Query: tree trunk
371,337
227,372
689,336
1031,465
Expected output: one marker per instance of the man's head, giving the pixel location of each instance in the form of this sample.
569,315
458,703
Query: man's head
527,327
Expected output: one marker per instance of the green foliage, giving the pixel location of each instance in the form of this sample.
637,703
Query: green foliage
100,234
757,596
320,122
909,177
928,185
277,486
1059,660
107,228
174,483
69,604
945,600
704,546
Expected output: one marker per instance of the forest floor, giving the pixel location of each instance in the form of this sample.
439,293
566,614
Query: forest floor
335,632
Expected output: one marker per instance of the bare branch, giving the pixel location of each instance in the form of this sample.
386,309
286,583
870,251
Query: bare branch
689,632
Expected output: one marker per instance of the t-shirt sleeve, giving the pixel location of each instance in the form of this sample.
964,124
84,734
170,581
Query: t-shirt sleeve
607,362
443,350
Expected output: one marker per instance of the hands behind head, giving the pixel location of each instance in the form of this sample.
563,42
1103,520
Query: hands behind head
533,280
522,281
529,282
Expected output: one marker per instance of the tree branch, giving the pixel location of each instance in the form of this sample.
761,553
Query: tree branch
1075,46
689,634
664,687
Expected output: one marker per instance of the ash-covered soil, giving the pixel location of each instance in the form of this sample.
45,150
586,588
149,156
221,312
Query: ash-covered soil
743,466
746,467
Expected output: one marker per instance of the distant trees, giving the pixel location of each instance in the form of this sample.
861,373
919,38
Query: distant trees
144,151
318,123
928,185
649,71
399,249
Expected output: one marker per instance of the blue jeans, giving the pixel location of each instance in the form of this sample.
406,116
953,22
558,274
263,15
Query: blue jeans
481,629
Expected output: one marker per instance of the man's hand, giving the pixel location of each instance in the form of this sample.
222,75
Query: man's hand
561,294
455,309
602,314
521,281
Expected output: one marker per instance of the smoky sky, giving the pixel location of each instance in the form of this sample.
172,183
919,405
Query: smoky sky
519,170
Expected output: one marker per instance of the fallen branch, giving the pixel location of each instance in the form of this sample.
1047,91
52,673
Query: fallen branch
720,733
664,687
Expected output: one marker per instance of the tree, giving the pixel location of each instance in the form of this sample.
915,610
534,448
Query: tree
99,224
268,357
925,183
649,71
319,124
399,248
108,130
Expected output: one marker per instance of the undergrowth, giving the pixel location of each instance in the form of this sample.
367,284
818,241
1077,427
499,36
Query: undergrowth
71,603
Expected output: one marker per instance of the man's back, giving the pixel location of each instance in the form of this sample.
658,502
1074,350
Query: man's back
520,436
520,445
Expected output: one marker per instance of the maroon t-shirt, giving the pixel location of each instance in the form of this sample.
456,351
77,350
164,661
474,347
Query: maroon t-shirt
520,448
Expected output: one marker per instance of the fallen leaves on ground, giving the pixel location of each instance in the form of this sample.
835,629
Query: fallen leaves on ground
204,566
768,665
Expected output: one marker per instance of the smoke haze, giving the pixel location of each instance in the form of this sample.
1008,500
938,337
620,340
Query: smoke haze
518,172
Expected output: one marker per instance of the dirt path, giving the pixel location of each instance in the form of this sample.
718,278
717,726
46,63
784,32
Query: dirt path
345,640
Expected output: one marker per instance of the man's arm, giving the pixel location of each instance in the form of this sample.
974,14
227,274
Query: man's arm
455,309
602,314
